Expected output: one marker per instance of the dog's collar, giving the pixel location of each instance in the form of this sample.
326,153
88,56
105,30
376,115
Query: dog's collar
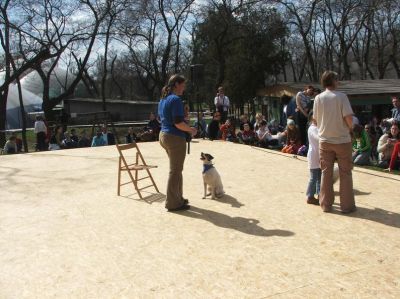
207,167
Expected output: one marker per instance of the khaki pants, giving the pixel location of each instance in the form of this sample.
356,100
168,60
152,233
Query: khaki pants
175,147
343,153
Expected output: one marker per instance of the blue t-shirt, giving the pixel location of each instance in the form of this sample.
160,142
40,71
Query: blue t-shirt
168,109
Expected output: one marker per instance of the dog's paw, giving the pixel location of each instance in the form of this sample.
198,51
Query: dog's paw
203,197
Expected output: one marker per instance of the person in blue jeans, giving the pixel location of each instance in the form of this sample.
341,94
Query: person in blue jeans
173,139
313,163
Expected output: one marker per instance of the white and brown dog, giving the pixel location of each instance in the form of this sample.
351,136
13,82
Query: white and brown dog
211,178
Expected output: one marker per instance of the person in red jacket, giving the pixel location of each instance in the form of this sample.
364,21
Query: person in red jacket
228,131
395,159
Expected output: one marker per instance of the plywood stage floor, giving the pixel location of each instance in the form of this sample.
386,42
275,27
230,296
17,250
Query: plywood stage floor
64,232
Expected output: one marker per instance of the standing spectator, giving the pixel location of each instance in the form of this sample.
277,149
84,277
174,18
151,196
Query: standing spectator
386,145
40,131
395,159
248,136
213,128
288,110
108,137
131,136
293,141
11,146
222,104
314,183
361,146
84,141
98,139
303,101
228,131
56,139
333,114
201,126
395,110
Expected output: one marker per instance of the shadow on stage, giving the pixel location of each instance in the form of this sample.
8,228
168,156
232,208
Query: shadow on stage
245,225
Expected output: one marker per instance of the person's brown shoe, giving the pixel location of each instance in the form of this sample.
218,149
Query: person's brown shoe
326,209
353,209
181,208
313,201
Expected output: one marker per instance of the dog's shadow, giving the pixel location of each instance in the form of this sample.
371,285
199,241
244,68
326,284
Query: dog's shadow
230,201
241,224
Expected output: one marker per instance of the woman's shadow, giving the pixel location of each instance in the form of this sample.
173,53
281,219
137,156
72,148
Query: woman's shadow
245,225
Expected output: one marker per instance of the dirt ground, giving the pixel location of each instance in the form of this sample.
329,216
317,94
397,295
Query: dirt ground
64,232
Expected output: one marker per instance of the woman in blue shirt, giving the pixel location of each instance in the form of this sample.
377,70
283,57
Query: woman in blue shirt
173,139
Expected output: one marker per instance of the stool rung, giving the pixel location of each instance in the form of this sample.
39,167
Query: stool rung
146,177
146,187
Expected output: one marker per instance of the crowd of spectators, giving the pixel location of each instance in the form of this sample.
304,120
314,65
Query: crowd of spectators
374,143
60,137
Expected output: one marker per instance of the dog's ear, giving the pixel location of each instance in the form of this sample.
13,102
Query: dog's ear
210,157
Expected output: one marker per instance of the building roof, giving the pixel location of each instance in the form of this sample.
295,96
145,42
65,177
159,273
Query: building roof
351,88
112,101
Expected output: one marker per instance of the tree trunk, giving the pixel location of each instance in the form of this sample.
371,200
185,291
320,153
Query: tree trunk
3,116
23,116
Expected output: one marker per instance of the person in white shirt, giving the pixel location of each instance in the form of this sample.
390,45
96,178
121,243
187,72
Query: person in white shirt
334,117
264,136
222,104
40,131
313,163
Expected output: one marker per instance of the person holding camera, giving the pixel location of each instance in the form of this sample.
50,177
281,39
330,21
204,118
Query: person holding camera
222,104
173,135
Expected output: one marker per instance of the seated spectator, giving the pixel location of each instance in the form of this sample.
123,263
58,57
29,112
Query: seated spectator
361,146
395,159
274,127
258,119
244,119
98,139
11,146
84,141
56,139
108,137
68,142
74,136
293,141
228,131
131,136
213,128
370,130
386,145
264,136
18,142
248,136
201,127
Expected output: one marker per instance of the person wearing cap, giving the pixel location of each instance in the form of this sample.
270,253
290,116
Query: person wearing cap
293,141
